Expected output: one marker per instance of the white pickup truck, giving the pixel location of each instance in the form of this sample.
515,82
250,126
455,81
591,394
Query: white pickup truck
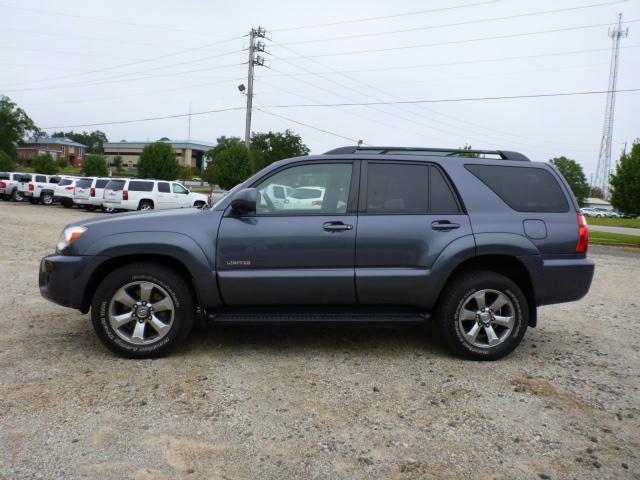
9,186
38,188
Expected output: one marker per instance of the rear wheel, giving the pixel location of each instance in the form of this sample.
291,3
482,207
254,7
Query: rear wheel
483,315
46,198
145,205
142,310
108,209
66,203
17,196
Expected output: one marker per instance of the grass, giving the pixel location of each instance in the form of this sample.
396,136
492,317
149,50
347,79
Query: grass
615,222
614,239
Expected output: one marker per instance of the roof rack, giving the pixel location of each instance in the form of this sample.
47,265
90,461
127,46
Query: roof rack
439,152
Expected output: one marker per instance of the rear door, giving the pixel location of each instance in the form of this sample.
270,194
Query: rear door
286,256
165,196
113,192
408,214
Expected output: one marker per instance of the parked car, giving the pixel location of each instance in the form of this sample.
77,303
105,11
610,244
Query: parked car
9,186
474,244
90,191
278,194
63,192
307,198
38,188
137,194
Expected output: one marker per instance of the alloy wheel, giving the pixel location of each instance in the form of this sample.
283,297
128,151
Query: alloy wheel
486,318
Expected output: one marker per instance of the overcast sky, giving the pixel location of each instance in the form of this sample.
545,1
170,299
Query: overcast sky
73,62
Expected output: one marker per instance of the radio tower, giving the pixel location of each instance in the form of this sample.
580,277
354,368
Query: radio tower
603,168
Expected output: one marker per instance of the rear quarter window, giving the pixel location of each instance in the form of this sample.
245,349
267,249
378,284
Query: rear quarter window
524,189
137,186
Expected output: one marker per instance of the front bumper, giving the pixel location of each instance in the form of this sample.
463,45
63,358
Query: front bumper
64,279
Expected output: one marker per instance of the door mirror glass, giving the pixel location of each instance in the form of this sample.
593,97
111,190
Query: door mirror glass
245,201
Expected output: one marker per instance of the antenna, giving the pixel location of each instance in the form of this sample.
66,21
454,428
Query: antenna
603,169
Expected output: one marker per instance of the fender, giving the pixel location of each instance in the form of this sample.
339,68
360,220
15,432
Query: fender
178,246
511,244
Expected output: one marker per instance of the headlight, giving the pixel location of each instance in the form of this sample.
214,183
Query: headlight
68,236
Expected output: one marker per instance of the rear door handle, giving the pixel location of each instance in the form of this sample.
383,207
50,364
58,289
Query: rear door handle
336,226
444,225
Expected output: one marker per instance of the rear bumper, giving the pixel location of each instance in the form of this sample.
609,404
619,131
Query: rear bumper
64,279
559,280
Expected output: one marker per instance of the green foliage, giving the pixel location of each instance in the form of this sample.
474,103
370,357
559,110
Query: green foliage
7,164
626,182
158,161
574,175
232,165
596,192
186,173
93,140
164,139
222,143
273,146
14,125
469,155
117,162
45,164
62,162
95,166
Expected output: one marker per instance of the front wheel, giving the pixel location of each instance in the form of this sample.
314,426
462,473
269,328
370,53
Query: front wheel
483,315
46,199
142,310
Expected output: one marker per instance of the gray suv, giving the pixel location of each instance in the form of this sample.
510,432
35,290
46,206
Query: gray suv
474,240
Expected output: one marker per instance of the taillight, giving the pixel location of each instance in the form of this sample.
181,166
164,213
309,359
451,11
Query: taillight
125,195
3,185
69,188
93,192
32,187
317,203
583,234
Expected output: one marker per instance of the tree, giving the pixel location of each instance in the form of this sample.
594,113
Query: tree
596,192
165,139
158,161
469,155
45,164
232,165
7,164
273,146
94,140
117,162
574,175
626,181
222,143
15,124
95,166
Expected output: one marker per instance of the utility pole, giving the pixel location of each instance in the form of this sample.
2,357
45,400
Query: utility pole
255,46
603,169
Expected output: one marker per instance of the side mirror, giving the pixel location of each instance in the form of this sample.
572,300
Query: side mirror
245,201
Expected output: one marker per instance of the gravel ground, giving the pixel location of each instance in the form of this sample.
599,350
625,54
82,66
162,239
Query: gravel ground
314,402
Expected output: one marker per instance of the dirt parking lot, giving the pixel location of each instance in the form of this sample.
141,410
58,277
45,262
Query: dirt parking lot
314,402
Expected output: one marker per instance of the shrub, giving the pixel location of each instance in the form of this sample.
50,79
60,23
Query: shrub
7,164
158,161
45,164
95,166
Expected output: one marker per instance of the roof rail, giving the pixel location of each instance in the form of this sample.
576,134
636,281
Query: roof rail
439,152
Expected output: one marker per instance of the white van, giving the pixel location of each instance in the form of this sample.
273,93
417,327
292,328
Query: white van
139,194
89,192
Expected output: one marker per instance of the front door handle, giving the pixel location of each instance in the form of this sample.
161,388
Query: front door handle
444,225
336,226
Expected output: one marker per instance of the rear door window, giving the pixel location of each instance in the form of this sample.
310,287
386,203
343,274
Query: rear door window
524,189
137,186
163,187
397,188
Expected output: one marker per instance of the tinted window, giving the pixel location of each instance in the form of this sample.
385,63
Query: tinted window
443,200
84,183
65,181
137,186
101,182
4,176
397,188
115,185
177,188
523,189
25,178
163,187
54,180
41,178
312,188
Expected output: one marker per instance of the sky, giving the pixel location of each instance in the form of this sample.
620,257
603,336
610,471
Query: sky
73,63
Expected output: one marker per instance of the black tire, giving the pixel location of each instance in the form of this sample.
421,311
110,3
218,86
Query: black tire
46,198
33,201
108,210
458,292
90,208
178,291
66,203
145,205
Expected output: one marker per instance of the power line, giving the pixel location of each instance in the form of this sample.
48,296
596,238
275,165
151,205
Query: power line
450,100
455,24
105,20
444,64
383,17
181,115
452,42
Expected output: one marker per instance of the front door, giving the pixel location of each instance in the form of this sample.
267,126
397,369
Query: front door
408,215
289,254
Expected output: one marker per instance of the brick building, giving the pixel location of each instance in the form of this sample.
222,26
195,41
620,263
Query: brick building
188,153
61,147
